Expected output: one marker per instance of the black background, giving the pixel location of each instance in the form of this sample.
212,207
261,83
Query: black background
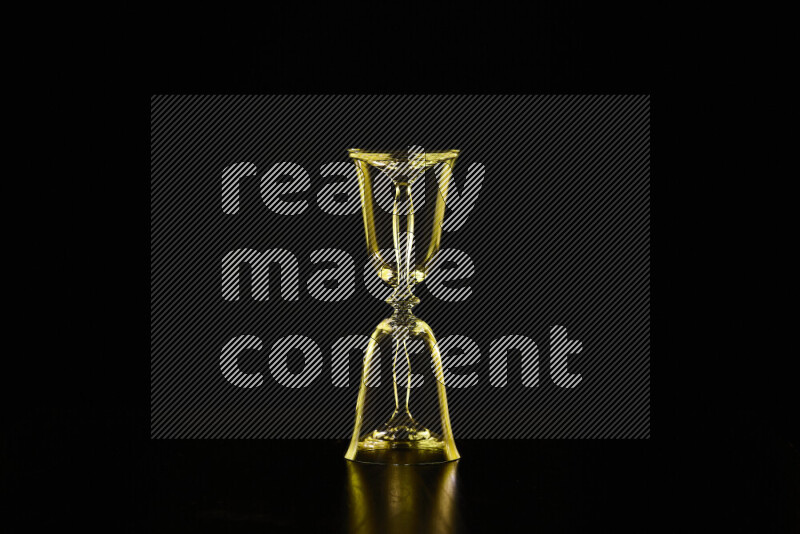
724,456
725,453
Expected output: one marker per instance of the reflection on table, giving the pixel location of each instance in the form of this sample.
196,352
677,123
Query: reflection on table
403,498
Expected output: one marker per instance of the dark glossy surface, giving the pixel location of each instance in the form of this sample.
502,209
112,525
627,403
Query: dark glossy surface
746,480
307,486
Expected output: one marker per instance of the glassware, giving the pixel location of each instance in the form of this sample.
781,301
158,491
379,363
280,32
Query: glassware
401,438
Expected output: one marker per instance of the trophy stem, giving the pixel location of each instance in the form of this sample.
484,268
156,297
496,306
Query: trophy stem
402,298
404,252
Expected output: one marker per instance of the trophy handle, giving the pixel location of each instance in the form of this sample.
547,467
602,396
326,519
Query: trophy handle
386,269
444,179
367,211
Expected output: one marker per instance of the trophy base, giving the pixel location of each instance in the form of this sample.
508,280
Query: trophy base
403,452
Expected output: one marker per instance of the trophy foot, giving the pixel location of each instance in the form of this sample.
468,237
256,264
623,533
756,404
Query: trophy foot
401,427
431,450
402,440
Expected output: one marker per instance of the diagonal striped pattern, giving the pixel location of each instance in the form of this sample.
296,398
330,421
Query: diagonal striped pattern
253,203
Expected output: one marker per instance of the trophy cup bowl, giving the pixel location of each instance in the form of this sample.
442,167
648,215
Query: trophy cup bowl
414,199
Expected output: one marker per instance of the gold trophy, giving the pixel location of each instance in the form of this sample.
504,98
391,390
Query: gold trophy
414,220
